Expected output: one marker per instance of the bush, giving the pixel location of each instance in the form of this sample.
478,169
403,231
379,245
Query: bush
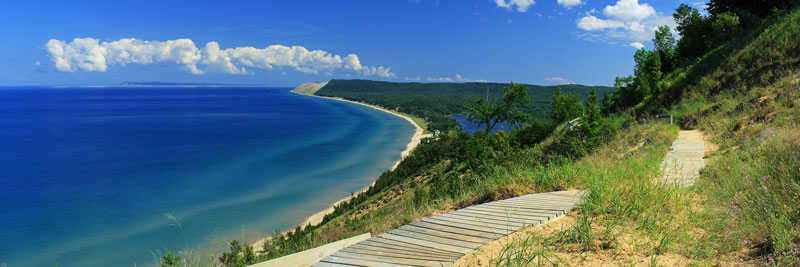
533,133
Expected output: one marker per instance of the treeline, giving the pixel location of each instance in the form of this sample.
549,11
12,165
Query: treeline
436,102
651,89
456,161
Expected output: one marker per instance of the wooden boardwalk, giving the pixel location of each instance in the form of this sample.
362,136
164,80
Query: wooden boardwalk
684,160
442,239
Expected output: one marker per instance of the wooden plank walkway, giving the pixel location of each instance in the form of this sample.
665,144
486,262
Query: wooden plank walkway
684,160
442,239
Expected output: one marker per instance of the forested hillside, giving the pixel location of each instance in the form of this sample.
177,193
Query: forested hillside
738,65
437,101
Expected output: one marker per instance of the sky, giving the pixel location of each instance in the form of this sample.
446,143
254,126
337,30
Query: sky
286,43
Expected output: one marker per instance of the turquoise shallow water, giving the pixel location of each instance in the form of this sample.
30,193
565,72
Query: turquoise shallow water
87,174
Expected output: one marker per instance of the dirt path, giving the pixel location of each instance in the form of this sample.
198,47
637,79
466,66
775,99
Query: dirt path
683,162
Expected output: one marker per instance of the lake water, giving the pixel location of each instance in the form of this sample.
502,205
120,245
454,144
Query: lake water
471,127
88,174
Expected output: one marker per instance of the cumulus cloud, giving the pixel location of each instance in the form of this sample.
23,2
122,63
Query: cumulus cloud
558,80
570,3
522,5
629,10
591,23
626,20
440,79
455,78
89,54
637,45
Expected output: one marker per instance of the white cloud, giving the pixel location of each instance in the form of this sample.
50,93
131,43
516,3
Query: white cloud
591,23
699,5
558,80
88,54
626,21
440,79
637,45
522,5
456,78
629,10
570,3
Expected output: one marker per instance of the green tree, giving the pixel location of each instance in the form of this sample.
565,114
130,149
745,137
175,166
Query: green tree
565,106
593,114
750,12
725,27
648,74
694,31
240,255
509,110
608,103
664,45
234,257
170,260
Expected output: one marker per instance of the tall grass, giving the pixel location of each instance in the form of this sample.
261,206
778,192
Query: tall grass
746,204
757,190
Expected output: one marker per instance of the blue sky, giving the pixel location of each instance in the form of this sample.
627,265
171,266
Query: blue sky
285,43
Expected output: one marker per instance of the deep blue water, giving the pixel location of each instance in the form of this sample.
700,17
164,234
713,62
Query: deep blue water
87,174
471,127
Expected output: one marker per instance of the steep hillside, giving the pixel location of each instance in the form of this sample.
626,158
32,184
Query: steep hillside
745,208
309,88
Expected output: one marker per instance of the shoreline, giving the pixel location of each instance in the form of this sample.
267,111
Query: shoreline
317,217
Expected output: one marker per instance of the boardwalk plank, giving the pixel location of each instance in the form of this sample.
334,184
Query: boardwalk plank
328,264
498,218
483,233
358,262
506,214
489,219
426,243
395,254
512,211
442,239
467,224
407,262
383,242
437,239
531,207
400,251
525,202
479,222
468,238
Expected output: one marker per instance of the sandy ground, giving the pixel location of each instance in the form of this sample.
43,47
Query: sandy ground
626,255
414,142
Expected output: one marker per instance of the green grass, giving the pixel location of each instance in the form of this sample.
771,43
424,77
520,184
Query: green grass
745,206
419,121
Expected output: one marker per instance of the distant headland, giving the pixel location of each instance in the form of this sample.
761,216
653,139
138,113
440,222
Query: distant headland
189,84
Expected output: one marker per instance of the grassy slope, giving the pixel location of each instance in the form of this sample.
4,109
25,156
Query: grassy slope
745,207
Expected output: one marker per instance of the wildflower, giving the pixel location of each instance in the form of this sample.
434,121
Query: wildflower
764,187
765,177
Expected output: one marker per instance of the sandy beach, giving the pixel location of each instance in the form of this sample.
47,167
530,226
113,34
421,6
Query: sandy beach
414,142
